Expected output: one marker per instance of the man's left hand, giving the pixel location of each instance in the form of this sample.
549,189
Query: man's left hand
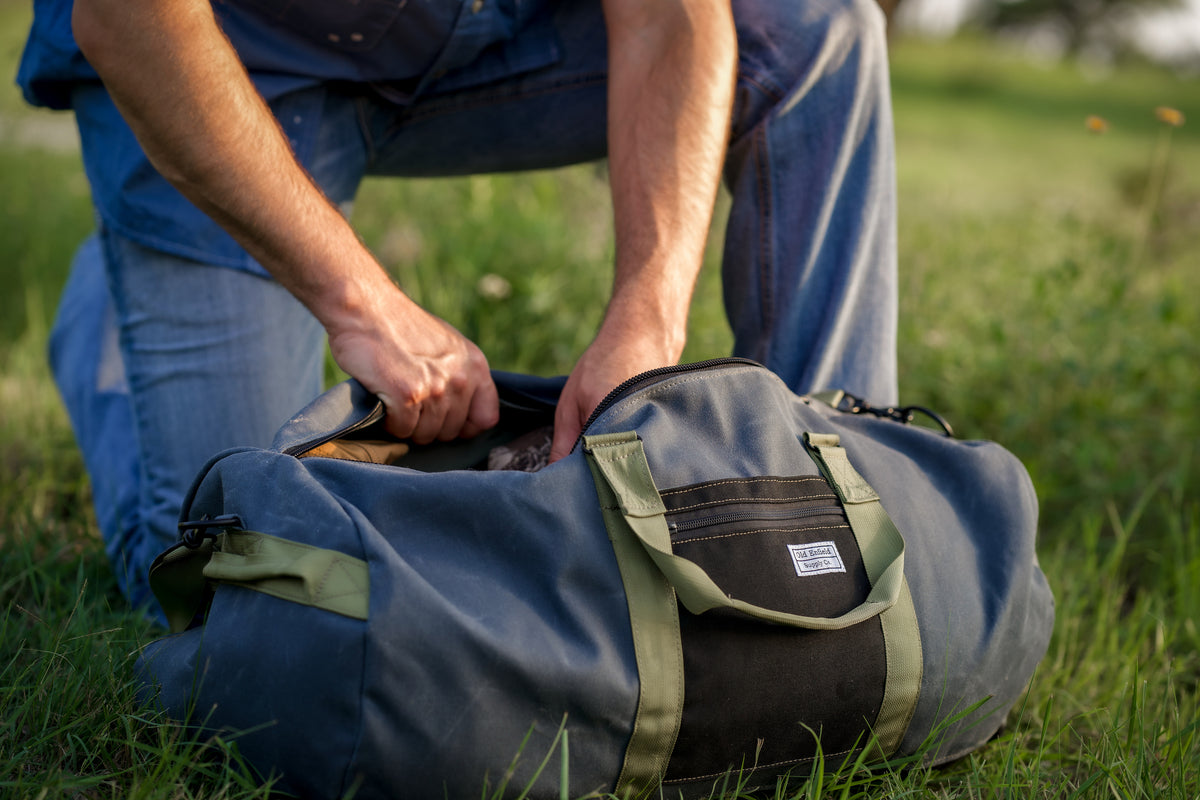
611,359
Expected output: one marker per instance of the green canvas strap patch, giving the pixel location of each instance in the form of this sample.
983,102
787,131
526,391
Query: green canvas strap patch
849,485
303,574
299,573
830,397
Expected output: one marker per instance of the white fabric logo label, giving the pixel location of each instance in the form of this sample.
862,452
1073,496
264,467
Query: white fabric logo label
817,558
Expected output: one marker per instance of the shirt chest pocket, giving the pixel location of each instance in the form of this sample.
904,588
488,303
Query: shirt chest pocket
352,26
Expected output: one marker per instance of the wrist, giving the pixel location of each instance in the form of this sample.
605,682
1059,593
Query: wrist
649,326
651,305
352,299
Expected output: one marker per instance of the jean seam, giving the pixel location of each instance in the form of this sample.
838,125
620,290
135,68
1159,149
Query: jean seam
742,125
766,258
133,538
775,93
364,127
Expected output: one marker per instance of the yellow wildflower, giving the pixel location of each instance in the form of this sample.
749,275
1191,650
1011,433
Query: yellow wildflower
1171,116
1096,124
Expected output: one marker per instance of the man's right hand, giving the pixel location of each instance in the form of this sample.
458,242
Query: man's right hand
434,382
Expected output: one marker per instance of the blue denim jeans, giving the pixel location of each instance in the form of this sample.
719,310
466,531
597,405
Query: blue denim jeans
164,361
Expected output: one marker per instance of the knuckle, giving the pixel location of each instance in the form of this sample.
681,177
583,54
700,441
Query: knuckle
435,391
458,384
412,396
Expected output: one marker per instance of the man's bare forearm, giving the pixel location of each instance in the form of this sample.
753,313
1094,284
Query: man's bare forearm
672,65
671,77
193,108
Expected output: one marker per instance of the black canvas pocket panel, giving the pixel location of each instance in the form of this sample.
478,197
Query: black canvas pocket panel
756,693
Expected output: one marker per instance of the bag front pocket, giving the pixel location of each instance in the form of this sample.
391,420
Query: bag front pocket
774,625
758,693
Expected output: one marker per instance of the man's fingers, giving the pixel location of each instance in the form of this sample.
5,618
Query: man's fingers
484,411
429,426
567,427
452,422
563,443
433,381
445,416
457,405
401,420
473,408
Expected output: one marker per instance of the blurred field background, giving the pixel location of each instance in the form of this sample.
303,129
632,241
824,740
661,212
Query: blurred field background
1050,272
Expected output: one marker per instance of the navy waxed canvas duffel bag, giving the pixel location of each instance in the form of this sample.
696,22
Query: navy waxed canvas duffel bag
722,576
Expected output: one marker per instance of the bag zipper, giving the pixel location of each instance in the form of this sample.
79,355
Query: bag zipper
376,414
740,516
653,376
526,403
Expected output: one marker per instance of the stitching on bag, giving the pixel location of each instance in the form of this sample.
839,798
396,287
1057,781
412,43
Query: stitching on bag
759,530
750,500
644,471
320,593
666,386
661,388
798,479
759,766
342,565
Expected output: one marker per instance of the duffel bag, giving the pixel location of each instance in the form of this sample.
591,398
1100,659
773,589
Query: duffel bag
721,577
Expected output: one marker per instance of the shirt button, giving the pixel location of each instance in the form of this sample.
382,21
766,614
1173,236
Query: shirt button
477,6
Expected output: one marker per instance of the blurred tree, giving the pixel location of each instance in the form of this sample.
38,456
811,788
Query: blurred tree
1076,24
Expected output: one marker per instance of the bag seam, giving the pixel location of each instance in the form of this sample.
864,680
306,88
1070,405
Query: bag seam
706,484
759,530
773,501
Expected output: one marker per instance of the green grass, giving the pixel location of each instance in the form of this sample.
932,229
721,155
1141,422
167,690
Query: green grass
1042,306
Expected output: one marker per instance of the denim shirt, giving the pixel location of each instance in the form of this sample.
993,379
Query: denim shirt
403,47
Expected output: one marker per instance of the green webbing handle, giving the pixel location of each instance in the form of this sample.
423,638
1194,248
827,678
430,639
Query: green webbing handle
300,573
621,460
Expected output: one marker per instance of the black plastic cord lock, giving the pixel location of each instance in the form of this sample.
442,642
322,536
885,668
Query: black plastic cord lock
194,532
905,414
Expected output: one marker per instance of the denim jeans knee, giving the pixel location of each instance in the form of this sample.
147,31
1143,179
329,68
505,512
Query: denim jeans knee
86,363
810,250
209,358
